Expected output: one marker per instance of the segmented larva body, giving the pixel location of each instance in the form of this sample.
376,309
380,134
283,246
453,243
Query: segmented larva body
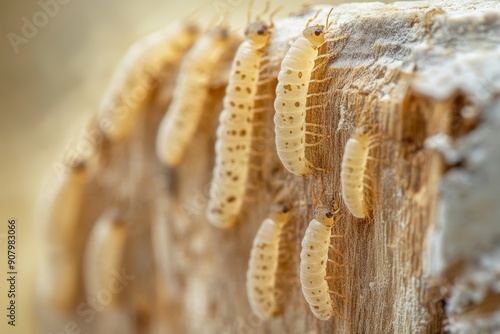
104,253
313,260
58,282
191,91
291,98
234,134
139,75
352,175
263,264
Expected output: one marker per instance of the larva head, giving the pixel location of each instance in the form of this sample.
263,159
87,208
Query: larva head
362,134
258,33
192,28
315,35
281,214
220,33
324,216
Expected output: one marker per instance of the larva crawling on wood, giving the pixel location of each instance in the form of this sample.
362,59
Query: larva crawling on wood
139,75
353,172
313,261
263,264
234,133
291,99
104,253
191,91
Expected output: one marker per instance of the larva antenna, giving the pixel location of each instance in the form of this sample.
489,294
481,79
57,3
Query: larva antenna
328,24
266,9
191,16
312,19
249,11
271,16
317,199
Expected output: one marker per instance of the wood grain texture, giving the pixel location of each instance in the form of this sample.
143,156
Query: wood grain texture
381,74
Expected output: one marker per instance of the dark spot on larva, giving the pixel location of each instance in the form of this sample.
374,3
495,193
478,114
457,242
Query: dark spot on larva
313,293
300,158
299,75
316,307
243,133
264,267
303,84
243,76
311,248
288,87
297,104
318,300
288,71
322,262
249,91
238,88
241,106
238,63
298,86
233,132
236,178
231,199
232,104
283,104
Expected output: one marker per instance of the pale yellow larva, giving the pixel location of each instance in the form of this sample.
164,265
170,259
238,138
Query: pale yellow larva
190,94
140,73
60,263
313,260
263,264
353,170
104,253
234,133
291,97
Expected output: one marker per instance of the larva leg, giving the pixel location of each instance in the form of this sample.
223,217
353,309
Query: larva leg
339,264
265,81
264,97
316,134
259,110
338,295
320,80
312,125
316,106
316,94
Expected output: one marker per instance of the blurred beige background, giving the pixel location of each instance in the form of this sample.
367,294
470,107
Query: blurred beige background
50,86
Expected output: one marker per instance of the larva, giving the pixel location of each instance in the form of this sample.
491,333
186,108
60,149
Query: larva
353,169
60,261
191,91
234,133
263,263
313,260
104,253
291,98
139,74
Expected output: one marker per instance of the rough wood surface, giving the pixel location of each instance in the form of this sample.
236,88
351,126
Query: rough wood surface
409,70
